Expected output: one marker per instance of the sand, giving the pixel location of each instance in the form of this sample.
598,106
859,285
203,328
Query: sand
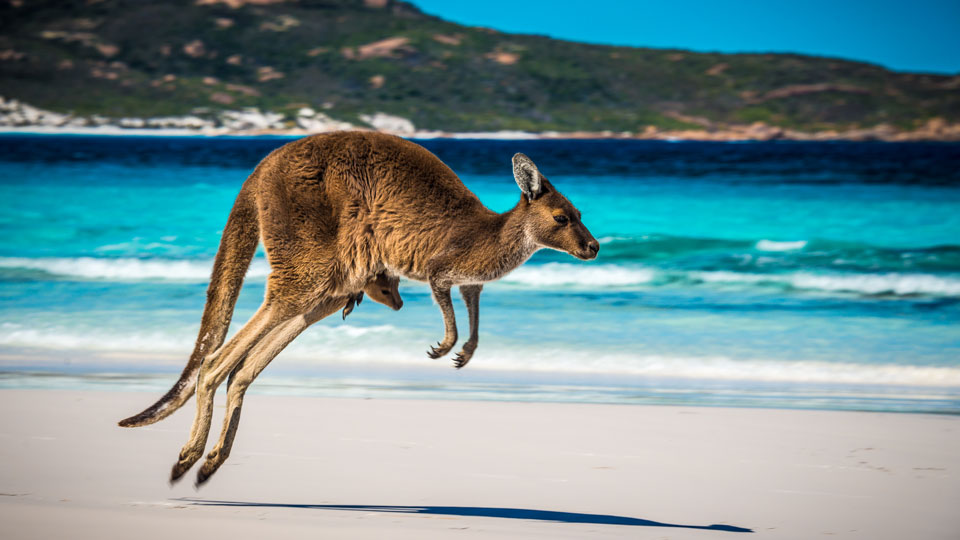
347,468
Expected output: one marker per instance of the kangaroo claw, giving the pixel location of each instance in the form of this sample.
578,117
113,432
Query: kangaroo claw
351,303
438,351
461,359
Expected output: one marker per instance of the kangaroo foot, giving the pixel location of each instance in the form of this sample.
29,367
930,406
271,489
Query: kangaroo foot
461,359
209,467
439,350
464,355
179,469
183,464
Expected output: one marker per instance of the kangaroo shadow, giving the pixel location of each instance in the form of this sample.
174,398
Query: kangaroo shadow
478,511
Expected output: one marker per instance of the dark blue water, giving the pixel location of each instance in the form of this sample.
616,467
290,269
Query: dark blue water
777,274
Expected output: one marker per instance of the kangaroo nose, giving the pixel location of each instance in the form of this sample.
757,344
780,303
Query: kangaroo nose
594,246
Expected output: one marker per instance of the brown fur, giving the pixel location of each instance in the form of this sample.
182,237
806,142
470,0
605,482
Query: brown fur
334,212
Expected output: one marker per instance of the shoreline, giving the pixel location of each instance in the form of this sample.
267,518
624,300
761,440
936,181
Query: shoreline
737,134
372,380
374,468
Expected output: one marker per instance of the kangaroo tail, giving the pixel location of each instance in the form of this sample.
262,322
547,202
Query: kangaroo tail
237,246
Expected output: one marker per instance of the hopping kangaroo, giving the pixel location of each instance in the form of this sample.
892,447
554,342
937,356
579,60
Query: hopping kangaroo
333,212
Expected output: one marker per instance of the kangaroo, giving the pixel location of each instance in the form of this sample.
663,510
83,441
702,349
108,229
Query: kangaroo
333,211
383,288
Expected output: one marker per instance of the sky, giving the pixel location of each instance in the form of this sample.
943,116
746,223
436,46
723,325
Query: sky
915,35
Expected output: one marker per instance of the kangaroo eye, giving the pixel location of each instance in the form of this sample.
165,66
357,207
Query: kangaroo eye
561,219
385,291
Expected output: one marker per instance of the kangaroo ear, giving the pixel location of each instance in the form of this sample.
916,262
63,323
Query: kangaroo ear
527,176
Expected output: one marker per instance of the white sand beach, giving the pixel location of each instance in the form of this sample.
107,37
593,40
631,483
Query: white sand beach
346,468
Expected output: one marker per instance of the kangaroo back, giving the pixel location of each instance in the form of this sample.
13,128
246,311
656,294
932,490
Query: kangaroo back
237,247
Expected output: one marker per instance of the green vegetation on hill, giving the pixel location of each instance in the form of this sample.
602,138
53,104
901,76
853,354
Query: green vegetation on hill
147,58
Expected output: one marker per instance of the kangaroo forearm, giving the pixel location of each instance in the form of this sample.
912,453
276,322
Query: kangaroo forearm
441,294
442,297
471,297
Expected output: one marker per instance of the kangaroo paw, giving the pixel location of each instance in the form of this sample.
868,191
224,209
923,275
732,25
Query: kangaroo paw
439,350
347,309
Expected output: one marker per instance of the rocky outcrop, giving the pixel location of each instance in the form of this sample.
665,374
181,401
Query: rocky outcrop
311,121
18,116
936,129
803,89
389,123
23,117
251,119
503,57
16,113
235,4
385,48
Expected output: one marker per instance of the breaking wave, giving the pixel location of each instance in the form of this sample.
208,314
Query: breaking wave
867,284
548,275
560,275
770,245
785,254
387,345
124,269
614,276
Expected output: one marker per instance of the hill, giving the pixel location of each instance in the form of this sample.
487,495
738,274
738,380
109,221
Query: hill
348,58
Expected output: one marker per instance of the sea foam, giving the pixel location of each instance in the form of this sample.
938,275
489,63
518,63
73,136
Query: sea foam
770,245
723,368
869,284
549,275
126,269
561,274
388,345
168,340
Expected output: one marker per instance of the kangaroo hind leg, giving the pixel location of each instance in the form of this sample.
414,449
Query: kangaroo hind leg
241,378
214,370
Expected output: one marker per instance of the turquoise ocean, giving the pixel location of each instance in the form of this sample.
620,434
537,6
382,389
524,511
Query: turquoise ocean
775,274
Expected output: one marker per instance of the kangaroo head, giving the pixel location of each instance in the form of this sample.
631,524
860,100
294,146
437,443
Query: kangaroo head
551,220
384,289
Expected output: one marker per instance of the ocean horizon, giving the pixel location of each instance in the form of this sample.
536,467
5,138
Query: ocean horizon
763,274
